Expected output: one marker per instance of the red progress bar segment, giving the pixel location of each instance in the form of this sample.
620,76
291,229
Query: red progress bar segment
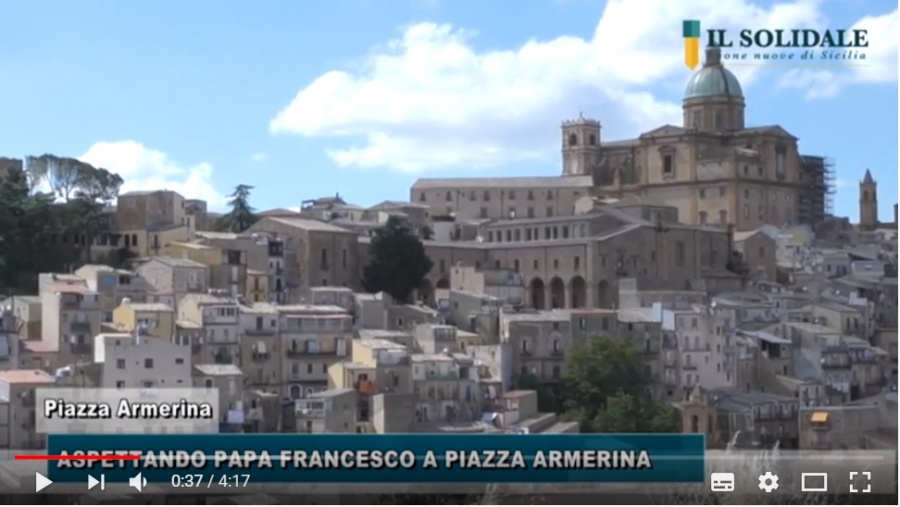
70,457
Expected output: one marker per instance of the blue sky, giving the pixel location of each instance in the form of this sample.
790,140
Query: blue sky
305,99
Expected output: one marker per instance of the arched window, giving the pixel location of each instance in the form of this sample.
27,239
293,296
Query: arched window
573,140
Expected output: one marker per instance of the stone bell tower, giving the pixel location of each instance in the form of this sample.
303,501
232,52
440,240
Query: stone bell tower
868,202
580,146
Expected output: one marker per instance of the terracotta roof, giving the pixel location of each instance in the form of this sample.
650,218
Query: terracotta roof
26,377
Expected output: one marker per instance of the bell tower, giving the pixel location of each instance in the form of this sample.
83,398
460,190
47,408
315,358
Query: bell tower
580,146
868,202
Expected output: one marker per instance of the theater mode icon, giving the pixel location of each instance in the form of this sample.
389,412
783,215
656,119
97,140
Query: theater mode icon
721,482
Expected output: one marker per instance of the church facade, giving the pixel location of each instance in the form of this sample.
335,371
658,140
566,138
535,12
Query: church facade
714,169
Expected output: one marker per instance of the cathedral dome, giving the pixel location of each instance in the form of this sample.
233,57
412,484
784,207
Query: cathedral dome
713,80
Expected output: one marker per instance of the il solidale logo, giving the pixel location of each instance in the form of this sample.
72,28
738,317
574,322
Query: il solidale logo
773,46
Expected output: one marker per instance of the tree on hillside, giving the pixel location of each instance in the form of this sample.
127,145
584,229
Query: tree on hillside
241,215
606,389
397,261
28,223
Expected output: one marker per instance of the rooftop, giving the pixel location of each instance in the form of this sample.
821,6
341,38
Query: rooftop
217,370
309,224
176,262
536,182
150,307
26,377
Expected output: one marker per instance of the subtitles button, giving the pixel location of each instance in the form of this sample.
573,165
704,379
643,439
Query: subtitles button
721,482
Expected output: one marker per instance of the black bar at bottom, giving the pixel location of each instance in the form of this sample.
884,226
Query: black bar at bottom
549,499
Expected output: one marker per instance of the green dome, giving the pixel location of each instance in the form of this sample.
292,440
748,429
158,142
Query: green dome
713,80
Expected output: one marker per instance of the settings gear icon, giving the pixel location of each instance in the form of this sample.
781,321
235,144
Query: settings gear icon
768,482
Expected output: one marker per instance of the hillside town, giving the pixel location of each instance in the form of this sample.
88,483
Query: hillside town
756,312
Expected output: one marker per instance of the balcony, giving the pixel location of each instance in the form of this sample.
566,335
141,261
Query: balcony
80,328
81,348
260,332
260,357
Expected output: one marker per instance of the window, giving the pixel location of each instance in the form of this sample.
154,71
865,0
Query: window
702,218
762,251
573,140
592,139
555,263
483,212
746,211
148,363
531,195
120,364
746,193
720,120
722,191
512,194
511,213
179,360
703,193
549,211
679,254
486,196
536,264
472,195
516,264
120,384
323,258
695,123
343,259
530,213
723,216
448,196
667,164
746,169
422,197
577,263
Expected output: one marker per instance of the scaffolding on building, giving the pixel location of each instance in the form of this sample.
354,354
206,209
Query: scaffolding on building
828,176
816,198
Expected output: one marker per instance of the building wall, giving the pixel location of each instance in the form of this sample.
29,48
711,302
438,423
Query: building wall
148,363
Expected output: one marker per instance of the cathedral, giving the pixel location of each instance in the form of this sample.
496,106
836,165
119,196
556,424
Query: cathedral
713,168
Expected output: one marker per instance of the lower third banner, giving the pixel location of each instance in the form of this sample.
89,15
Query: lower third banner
352,458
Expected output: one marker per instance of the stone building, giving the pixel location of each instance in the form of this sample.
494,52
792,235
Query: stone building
713,169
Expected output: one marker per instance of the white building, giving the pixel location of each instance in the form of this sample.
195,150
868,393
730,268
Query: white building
128,362
17,408
703,337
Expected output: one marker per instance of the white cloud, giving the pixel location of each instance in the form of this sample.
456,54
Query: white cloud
143,168
259,156
880,65
429,100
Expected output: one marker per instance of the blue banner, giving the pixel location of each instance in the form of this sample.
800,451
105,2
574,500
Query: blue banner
393,458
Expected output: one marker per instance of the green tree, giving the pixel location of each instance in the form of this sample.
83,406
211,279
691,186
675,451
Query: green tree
397,261
607,390
28,224
241,216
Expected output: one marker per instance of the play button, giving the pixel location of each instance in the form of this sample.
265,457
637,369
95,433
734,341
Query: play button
92,482
40,482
